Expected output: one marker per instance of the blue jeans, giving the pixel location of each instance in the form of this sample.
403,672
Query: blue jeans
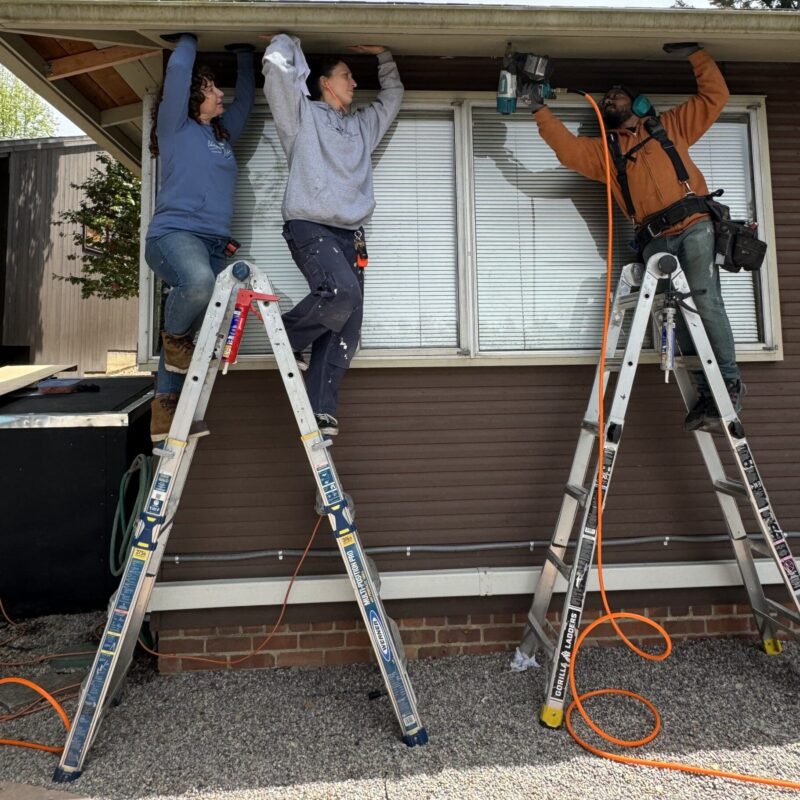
694,248
189,264
329,317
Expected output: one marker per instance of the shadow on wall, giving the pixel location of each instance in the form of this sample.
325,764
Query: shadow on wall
33,181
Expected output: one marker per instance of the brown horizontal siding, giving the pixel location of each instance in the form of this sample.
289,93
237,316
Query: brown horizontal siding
475,454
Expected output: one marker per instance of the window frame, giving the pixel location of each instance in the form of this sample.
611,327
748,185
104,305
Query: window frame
467,353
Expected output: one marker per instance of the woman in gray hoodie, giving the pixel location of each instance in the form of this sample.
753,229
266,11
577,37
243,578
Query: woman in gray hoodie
329,198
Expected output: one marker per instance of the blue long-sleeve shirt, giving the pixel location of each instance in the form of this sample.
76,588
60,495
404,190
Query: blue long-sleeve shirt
198,173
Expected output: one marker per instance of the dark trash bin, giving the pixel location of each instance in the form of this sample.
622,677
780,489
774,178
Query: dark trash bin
62,458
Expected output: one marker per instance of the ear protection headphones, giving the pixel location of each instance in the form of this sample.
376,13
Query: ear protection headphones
640,103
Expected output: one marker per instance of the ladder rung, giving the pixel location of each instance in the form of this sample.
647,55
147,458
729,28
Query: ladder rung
754,548
576,492
545,638
590,426
730,487
198,428
773,621
558,564
778,608
322,445
628,301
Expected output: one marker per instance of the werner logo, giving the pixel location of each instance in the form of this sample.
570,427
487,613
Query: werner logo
380,636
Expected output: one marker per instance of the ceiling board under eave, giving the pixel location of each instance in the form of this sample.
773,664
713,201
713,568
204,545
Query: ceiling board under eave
104,88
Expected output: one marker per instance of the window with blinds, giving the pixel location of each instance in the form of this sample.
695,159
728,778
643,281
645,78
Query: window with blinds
540,233
411,298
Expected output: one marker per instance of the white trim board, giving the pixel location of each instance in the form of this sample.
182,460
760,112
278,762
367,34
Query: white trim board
417,584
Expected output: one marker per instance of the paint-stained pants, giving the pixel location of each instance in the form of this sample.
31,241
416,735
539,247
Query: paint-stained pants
329,318
694,249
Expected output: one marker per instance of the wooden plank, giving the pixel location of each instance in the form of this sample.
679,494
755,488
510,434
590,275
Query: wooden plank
13,378
121,114
89,61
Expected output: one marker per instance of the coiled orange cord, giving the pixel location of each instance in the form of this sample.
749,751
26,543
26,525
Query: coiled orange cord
613,616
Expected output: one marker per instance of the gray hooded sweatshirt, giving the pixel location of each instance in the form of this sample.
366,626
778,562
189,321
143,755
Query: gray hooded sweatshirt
330,169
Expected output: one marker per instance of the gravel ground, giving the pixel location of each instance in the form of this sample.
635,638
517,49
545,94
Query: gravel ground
315,734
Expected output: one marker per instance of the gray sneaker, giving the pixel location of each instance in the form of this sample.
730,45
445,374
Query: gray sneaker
328,425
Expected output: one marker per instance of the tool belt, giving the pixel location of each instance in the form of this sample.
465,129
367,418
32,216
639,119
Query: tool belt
654,225
737,246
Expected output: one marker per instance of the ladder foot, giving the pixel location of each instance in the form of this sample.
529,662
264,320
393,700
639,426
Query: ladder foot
63,775
419,738
772,647
551,717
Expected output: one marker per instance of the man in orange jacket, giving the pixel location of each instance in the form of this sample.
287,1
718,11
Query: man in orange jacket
656,199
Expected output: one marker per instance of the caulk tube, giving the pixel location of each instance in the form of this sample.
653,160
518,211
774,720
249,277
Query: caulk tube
234,338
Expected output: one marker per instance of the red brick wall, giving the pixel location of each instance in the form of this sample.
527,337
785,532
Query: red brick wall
316,644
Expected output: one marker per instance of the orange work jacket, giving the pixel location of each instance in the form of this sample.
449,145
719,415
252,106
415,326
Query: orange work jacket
652,180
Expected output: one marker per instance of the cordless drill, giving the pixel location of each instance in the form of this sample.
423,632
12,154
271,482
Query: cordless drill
523,74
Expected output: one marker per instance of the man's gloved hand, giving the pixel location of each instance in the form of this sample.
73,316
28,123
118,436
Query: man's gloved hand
174,37
534,94
682,48
240,47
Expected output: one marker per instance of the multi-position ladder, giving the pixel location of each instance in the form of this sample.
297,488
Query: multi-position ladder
239,289
637,289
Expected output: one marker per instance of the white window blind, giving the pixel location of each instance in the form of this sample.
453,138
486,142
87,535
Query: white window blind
541,233
411,281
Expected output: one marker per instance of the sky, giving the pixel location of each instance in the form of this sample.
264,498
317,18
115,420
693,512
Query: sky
67,128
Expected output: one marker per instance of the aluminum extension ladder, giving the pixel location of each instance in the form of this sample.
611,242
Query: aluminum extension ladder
637,290
238,289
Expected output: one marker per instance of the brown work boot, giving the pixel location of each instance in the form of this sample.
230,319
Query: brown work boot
162,411
178,352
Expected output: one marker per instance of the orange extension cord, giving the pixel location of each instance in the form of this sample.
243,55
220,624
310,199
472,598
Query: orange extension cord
613,616
60,710
40,691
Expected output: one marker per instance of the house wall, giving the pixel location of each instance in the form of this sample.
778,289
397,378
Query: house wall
481,454
46,314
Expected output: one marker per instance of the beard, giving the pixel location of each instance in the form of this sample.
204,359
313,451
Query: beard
612,118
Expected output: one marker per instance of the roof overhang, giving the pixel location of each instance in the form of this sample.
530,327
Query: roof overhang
409,29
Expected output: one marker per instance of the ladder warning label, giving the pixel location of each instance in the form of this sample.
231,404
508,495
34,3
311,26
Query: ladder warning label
347,540
162,482
329,486
584,563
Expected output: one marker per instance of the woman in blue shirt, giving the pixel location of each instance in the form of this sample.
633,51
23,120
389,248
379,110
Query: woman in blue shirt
190,229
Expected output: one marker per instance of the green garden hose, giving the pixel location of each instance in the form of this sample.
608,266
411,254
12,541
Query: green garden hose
126,524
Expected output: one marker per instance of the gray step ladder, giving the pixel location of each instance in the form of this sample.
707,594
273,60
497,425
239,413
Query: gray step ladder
637,290
238,289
